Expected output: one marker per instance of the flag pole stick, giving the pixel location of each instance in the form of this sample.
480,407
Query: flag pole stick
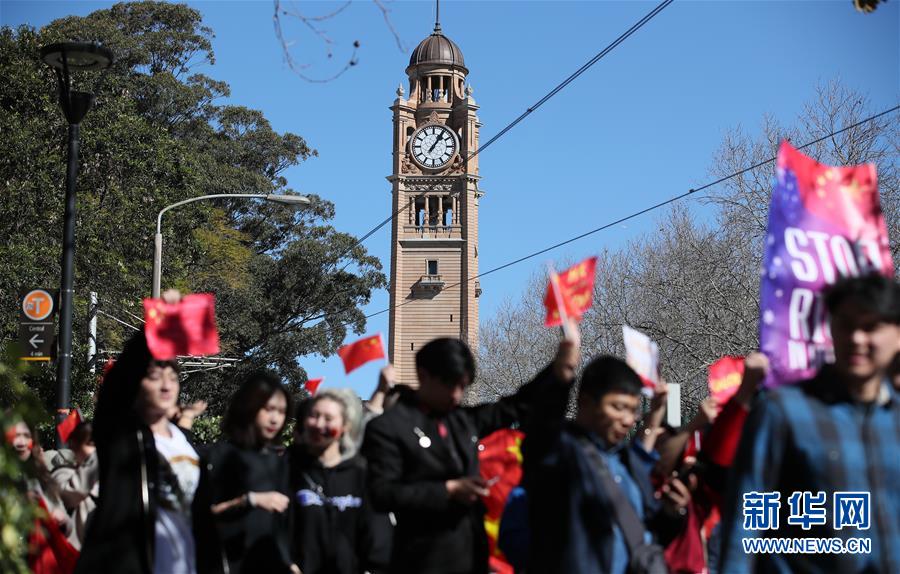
560,305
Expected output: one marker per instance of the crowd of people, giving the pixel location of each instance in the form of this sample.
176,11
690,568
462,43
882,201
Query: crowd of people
393,484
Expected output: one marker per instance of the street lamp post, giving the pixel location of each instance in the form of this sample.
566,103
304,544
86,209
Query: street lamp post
158,241
64,58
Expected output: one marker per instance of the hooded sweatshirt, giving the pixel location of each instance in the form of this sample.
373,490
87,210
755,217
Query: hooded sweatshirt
334,526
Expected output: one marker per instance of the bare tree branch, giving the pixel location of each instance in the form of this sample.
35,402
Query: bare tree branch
314,25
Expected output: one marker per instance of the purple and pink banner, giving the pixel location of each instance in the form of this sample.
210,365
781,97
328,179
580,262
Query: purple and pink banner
825,223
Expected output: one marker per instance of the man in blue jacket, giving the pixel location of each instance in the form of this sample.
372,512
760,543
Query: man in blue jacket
572,512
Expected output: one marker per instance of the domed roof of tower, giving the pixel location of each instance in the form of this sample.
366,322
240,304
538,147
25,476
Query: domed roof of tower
437,49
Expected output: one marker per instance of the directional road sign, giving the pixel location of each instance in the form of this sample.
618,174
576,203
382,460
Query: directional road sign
37,331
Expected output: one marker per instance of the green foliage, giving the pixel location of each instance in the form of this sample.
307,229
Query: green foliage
207,429
158,134
17,513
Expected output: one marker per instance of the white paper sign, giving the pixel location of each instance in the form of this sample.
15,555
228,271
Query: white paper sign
642,355
673,405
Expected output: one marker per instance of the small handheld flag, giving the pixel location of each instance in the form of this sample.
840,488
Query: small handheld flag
69,424
573,295
312,385
724,379
184,328
361,352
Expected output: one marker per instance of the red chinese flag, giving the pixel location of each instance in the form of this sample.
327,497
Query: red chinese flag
361,352
576,289
185,328
50,552
68,424
724,379
500,462
312,385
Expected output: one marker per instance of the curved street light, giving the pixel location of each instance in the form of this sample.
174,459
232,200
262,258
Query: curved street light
295,200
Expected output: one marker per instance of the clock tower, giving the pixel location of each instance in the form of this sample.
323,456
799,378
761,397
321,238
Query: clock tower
435,194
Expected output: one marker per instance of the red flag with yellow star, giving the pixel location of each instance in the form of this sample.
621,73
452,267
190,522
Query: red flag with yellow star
500,459
184,328
361,352
575,291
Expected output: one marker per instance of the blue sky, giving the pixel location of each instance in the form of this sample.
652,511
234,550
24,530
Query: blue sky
639,127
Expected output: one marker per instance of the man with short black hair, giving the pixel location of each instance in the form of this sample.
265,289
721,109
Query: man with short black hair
591,506
833,436
423,458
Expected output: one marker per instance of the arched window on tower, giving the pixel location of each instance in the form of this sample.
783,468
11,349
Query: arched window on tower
448,217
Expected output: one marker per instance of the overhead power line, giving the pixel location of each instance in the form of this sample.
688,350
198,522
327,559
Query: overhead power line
635,214
117,320
558,88
612,46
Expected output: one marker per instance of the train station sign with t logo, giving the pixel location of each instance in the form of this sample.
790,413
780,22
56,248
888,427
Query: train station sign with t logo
37,329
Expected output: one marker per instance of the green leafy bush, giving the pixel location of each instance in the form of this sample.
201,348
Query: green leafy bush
17,513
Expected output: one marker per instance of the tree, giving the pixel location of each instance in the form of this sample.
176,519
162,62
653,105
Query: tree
158,135
694,288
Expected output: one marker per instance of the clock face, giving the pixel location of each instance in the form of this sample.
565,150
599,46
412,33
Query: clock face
433,146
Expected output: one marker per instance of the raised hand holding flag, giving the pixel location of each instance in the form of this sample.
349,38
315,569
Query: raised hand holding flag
361,352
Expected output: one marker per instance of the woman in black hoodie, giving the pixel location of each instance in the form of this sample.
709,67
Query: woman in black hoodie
333,522
250,478
153,513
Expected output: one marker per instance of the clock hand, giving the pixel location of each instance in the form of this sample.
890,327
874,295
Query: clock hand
431,149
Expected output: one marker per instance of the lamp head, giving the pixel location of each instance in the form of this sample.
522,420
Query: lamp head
66,57
288,199
80,56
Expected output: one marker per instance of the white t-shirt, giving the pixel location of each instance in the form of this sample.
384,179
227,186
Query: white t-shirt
179,473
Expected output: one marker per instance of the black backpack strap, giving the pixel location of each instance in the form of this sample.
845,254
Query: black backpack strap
625,514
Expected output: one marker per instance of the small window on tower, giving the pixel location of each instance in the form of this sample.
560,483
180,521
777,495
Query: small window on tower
432,267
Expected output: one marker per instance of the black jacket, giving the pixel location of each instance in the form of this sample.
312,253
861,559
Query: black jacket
334,526
254,539
409,464
121,533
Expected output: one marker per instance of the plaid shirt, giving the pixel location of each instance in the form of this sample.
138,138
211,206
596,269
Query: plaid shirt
813,437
